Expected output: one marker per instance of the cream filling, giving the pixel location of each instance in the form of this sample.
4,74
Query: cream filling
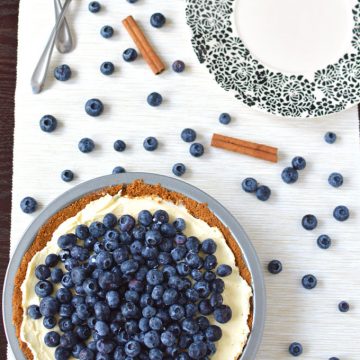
237,292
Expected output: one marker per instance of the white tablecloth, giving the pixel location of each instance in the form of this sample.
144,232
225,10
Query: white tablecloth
193,99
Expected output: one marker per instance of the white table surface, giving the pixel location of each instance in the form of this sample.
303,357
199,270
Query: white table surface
193,99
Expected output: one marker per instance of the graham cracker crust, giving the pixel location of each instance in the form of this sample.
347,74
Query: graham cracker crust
136,189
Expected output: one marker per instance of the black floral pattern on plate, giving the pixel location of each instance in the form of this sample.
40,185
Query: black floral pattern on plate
331,89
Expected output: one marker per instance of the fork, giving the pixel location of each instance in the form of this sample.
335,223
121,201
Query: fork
64,42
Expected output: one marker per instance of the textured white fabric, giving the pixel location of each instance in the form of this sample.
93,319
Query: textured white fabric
193,99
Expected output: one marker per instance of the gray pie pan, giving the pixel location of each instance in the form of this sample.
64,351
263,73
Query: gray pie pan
250,257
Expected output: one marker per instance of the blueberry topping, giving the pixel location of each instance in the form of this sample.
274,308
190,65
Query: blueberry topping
157,20
178,66
295,349
154,99
130,55
324,241
51,260
62,72
188,135
86,145
309,281
118,170
196,149
309,222
94,7
150,143
249,185
225,118
28,205
263,193
67,175
48,123
179,169
52,339
289,175
341,213
107,31
330,137
107,68
335,179
344,306
274,267
94,107
34,312
298,163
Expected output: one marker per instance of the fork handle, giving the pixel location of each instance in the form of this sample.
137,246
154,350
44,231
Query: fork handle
39,75
64,42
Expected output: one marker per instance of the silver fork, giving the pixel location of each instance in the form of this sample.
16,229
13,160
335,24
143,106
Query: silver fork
39,75
64,42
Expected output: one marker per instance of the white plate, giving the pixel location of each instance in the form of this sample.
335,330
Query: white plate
287,57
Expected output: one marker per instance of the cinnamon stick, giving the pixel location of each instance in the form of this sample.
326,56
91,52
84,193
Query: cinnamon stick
245,147
148,53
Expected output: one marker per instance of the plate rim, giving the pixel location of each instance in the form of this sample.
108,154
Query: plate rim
71,195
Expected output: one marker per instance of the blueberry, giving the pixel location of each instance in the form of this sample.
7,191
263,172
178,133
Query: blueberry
145,217
66,281
168,338
197,350
223,270
196,149
77,349
161,216
196,274
170,296
107,31
309,222
113,299
289,175
330,137
324,241
28,205
274,267
66,310
64,254
118,170
155,323
151,339
129,266
67,175
94,107
132,348
66,241
223,314
63,295
86,145
203,288
150,143
216,300
213,333
52,339
263,193
66,324
154,99
130,55
62,72
178,66
335,180
119,145
110,221
309,281
193,244
42,272
341,213
249,185
295,349
188,135
51,260
179,169
334,358
56,275
208,246
107,68
176,312
97,229
156,354
94,7
104,260
205,307
178,253
224,118
49,306
298,163
87,354
34,312
48,123
83,332
157,20
49,322
344,306
179,224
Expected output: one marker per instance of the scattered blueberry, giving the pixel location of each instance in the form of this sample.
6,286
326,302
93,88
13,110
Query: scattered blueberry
344,306
274,267
94,107
150,143
298,163
223,270
28,205
86,145
48,123
178,66
67,175
324,241
335,179
188,135
132,1
330,137
224,118
118,170
157,20
94,7
62,72
179,169
289,175
334,358
341,213
263,193
154,99
130,55
196,149
309,222
249,185
309,281
295,349
119,145
107,68
107,31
